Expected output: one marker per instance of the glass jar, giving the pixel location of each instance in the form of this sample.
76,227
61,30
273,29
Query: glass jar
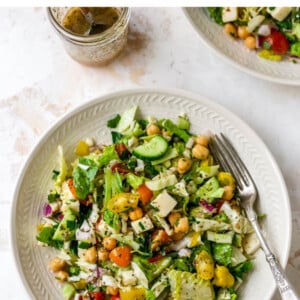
96,49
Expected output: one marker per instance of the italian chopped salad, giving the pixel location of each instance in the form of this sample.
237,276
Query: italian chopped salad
272,31
149,216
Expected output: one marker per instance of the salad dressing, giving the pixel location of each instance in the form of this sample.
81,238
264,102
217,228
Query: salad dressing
90,21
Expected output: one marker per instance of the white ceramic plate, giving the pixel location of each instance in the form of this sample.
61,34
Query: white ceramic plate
90,120
237,54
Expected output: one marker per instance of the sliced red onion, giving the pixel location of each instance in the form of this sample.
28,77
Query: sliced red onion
47,210
259,41
294,57
100,272
208,206
264,30
60,217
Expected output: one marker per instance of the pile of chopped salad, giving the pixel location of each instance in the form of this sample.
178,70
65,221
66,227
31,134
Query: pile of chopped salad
272,31
150,216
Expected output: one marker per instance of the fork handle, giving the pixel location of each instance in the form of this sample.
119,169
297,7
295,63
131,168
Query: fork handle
285,288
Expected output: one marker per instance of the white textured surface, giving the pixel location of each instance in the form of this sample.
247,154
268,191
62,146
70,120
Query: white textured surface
39,83
235,51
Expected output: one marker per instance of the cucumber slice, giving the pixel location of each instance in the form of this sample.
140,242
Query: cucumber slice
154,149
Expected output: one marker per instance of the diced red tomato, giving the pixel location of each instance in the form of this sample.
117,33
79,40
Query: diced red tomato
115,297
219,204
72,188
145,193
155,258
97,295
276,42
121,168
122,150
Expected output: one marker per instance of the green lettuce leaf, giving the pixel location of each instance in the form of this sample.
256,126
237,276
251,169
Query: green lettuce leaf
187,286
83,177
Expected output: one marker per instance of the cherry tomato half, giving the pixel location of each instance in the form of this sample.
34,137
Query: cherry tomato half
155,258
276,42
145,193
97,295
121,256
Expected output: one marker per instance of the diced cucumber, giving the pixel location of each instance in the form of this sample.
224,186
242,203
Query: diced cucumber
222,238
66,228
154,149
68,291
170,154
210,190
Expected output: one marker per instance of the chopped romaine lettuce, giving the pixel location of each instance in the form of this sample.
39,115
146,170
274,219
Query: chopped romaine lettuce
107,156
174,129
83,177
222,253
112,219
154,269
186,286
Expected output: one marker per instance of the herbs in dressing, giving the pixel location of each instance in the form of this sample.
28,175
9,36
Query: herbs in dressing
91,20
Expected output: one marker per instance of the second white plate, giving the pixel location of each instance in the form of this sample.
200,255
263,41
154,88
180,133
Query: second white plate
234,51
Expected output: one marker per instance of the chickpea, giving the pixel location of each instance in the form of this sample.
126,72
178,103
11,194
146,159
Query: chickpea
242,32
183,165
228,192
153,129
57,264
160,237
174,217
102,254
136,214
62,275
182,225
91,255
230,29
202,140
250,42
166,134
109,243
200,152
177,236
112,290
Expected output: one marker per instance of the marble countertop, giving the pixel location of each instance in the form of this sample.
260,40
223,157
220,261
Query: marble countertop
40,83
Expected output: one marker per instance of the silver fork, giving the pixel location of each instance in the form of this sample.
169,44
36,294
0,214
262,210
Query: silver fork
225,154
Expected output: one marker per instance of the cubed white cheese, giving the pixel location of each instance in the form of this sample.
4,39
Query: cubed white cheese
251,243
164,203
108,280
233,215
279,13
184,252
229,14
128,278
142,224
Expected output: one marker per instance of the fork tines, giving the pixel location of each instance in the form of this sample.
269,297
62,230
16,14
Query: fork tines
229,160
